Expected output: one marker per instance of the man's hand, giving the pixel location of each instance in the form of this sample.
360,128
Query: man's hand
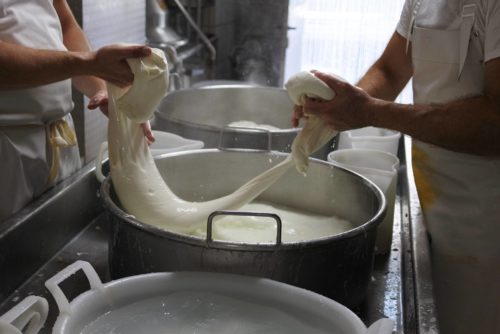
100,100
347,110
109,63
146,128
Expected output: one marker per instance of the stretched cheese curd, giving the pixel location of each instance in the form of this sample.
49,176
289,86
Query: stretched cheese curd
139,185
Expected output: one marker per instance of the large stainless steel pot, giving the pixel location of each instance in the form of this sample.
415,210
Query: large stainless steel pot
204,113
338,266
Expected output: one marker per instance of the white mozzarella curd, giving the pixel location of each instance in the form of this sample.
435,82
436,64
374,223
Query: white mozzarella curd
297,225
188,312
142,190
136,179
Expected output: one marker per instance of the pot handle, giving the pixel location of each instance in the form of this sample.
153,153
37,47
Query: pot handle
381,326
242,130
211,217
52,283
29,315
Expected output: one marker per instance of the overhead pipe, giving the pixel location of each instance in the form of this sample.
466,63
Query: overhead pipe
200,33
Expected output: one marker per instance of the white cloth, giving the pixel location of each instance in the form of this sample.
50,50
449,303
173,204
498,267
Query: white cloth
25,165
33,24
459,193
25,114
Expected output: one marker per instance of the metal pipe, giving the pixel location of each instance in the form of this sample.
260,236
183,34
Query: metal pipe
200,33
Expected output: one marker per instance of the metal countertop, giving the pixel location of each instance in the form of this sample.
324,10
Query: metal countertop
400,289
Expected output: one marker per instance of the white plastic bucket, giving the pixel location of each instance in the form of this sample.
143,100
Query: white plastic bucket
370,138
116,306
381,168
27,317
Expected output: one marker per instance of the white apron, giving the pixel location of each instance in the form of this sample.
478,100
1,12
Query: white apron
459,193
33,158
37,141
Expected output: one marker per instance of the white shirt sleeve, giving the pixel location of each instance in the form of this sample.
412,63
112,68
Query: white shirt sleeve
404,20
492,31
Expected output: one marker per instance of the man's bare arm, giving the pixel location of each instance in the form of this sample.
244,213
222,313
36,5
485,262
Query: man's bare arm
387,77
470,125
22,67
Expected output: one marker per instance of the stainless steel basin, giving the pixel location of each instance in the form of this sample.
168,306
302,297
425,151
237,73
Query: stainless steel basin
204,113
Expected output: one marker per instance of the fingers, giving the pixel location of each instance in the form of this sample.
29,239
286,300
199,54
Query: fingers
296,115
109,63
334,83
100,98
135,51
314,105
146,128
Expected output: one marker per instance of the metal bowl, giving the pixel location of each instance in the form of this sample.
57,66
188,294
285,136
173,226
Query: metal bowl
336,266
204,114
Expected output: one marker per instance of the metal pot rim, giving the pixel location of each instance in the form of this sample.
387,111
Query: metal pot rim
170,118
197,241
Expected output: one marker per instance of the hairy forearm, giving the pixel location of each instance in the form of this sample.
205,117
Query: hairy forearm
380,83
470,125
387,77
22,67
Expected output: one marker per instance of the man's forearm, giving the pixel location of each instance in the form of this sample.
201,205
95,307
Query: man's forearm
378,83
470,125
22,67
387,77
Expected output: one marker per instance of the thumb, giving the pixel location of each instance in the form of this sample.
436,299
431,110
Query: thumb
332,81
137,51
99,99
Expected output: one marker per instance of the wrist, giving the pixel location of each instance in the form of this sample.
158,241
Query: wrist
82,62
368,110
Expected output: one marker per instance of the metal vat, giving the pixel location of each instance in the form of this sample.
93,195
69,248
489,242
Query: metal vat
204,113
338,266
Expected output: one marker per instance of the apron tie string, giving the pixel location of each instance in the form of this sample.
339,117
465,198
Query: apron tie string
60,134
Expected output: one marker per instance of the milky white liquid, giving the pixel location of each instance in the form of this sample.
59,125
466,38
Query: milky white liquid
296,225
253,125
192,312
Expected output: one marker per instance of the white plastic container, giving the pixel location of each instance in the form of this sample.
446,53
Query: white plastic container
27,317
382,169
370,138
118,306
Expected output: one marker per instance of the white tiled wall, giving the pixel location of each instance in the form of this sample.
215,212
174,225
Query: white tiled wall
108,22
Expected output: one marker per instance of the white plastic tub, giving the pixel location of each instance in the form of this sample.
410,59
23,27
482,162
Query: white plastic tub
382,169
27,317
370,138
188,302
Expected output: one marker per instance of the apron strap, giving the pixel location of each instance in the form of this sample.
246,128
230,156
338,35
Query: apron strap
412,24
60,134
468,18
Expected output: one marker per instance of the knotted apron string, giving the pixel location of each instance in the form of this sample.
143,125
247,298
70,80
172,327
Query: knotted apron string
60,134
